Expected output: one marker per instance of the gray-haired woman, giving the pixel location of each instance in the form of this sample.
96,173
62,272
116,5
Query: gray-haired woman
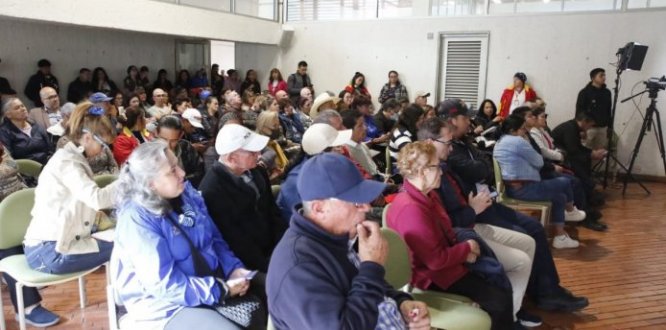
171,267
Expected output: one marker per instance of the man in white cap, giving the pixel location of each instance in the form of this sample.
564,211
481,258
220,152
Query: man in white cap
239,197
194,130
318,138
422,99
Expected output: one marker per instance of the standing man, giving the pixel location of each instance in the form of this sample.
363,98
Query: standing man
49,113
43,78
595,100
80,88
297,81
316,278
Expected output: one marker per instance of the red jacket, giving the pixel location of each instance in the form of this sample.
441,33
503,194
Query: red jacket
357,91
507,98
422,222
281,86
125,143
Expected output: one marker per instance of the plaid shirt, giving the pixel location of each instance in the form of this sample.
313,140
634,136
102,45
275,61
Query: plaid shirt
389,315
396,92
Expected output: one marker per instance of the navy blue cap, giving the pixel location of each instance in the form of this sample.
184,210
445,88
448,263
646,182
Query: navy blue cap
331,175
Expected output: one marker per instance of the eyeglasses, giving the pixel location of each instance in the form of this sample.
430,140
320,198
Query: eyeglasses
51,97
160,95
446,143
97,139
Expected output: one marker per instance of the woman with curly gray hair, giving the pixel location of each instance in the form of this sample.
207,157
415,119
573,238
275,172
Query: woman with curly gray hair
171,267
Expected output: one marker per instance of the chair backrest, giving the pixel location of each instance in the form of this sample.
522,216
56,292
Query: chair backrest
15,217
398,268
276,190
29,167
389,164
105,179
384,213
499,183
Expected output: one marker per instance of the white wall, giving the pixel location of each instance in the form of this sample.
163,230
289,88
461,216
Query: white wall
69,48
556,52
261,58
146,16
223,53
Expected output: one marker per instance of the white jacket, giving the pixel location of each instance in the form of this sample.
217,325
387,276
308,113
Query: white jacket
66,203
541,137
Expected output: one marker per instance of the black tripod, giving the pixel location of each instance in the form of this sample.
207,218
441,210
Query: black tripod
648,122
611,146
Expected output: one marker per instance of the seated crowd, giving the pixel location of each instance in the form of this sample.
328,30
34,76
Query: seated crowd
233,206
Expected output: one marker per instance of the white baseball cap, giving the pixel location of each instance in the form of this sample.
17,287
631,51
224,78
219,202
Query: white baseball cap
321,136
233,137
193,116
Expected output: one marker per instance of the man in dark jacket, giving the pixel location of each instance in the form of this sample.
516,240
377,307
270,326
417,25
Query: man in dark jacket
80,88
43,78
595,99
316,279
239,197
170,129
298,81
466,207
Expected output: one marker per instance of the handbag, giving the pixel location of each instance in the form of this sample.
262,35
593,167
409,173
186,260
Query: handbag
240,310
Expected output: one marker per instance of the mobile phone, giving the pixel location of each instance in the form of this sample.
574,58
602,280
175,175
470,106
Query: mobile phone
493,194
249,276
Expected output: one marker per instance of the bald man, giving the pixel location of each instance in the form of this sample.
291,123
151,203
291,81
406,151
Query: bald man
161,107
281,95
48,114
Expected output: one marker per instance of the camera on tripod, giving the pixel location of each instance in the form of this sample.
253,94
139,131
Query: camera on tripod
656,83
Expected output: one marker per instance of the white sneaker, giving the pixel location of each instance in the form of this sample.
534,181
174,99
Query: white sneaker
575,215
565,242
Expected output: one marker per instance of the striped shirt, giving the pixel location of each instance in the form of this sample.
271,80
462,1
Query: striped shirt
400,137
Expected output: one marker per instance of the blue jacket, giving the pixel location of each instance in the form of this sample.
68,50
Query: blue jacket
486,266
37,146
292,126
312,285
152,267
289,196
517,159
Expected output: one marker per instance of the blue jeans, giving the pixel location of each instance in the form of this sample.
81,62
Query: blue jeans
544,279
558,191
44,258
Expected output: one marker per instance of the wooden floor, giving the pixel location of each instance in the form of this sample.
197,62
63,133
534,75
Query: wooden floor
622,271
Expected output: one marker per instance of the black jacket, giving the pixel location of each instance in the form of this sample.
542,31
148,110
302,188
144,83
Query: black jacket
78,90
251,224
191,162
37,146
567,138
471,164
597,102
38,81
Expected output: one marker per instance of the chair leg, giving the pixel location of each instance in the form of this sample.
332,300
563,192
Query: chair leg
82,291
3,326
21,306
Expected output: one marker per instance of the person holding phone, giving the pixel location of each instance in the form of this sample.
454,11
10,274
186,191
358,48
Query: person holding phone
317,278
171,267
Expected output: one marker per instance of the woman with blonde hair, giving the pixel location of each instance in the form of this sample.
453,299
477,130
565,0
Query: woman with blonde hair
273,157
60,237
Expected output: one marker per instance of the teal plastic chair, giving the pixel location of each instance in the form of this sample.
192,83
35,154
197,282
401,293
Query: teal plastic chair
447,311
14,220
29,167
104,180
542,206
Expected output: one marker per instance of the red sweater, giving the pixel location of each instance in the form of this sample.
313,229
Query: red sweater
281,86
422,222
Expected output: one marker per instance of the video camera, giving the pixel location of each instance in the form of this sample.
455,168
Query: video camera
656,83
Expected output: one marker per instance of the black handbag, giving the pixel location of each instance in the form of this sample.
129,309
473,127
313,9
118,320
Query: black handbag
240,310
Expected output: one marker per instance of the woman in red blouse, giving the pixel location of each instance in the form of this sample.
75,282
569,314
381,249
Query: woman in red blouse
438,259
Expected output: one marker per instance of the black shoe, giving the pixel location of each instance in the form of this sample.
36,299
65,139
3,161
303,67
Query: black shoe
528,320
562,301
594,225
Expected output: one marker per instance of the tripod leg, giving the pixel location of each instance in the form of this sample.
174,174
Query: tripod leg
646,123
660,139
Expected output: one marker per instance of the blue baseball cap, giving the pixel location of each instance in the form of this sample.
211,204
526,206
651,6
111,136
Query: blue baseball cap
205,94
331,175
99,97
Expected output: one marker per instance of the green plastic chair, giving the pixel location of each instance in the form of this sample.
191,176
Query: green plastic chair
542,206
29,167
14,220
104,180
276,190
447,311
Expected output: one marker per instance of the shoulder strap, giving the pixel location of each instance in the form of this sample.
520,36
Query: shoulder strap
201,267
